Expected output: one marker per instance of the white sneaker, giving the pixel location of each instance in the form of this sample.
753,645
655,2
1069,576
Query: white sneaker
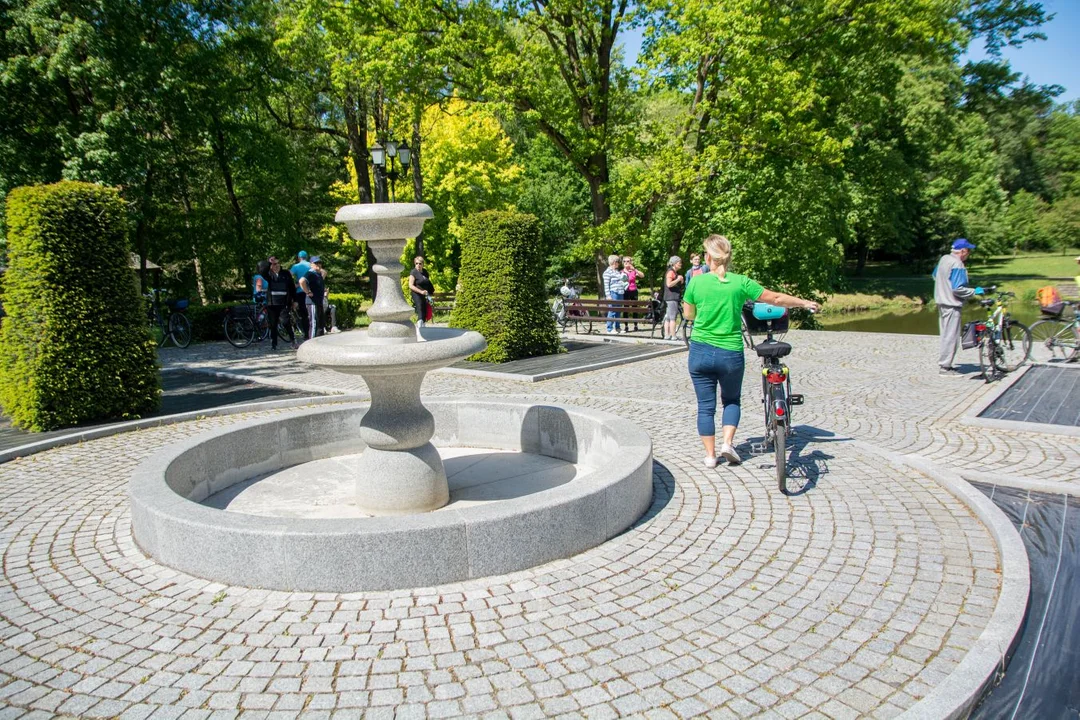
710,462
728,453
611,332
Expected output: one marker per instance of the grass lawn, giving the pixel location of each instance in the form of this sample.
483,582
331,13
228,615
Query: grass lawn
895,286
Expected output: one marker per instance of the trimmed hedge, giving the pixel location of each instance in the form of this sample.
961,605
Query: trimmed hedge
349,314
74,347
502,292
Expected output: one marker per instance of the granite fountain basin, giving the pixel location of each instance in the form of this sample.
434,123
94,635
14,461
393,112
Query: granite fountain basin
605,487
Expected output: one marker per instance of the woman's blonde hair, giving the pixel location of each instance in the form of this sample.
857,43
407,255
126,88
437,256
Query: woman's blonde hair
719,249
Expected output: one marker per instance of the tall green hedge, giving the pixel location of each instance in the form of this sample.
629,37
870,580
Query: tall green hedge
502,287
74,347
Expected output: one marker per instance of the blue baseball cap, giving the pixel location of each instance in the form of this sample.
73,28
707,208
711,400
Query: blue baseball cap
962,244
302,254
316,260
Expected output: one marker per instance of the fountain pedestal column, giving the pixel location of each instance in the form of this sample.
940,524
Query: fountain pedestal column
400,472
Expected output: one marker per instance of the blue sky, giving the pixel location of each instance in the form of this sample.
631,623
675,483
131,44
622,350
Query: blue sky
1054,61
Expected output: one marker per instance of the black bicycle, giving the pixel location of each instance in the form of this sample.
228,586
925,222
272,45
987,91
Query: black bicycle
245,324
776,395
174,326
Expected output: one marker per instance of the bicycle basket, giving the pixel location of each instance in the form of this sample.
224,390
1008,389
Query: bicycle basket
758,322
177,304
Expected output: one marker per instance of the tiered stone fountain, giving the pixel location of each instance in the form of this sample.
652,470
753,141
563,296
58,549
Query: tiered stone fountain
357,497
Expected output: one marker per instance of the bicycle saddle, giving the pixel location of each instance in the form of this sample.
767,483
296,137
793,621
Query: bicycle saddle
764,311
774,349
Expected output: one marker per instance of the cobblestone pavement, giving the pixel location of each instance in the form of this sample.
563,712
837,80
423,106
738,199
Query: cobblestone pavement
726,599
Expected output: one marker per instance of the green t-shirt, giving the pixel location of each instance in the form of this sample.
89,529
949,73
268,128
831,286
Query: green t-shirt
719,307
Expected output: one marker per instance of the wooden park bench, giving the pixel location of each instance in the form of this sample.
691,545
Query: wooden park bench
442,303
583,313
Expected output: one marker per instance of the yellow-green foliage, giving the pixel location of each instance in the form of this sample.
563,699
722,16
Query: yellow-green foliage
502,287
74,347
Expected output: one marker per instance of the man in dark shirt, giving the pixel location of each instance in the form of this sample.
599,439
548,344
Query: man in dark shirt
279,296
314,287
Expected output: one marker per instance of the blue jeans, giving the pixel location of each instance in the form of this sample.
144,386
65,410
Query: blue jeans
711,366
611,313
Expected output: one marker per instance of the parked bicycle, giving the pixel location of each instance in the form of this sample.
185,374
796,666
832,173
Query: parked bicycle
245,324
565,308
776,395
1054,339
1004,343
174,326
657,311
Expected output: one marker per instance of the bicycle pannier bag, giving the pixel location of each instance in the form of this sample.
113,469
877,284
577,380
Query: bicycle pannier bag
970,336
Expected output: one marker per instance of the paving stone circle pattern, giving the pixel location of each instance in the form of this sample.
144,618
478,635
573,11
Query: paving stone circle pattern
726,599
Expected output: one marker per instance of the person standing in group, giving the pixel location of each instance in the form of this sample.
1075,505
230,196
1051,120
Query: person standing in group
421,290
258,280
313,285
696,268
280,291
299,269
615,283
714,301
632,277
673,289
950,291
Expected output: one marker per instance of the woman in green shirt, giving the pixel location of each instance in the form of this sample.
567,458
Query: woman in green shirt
714,302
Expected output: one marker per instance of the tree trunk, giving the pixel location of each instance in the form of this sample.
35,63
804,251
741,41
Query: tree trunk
600,209
862,251
356,125
217,142
142,236
200,284
414,166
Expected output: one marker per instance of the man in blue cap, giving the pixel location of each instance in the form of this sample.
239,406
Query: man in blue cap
299,269
950,291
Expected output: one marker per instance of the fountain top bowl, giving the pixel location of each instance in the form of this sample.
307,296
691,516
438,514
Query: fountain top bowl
384,221
356,352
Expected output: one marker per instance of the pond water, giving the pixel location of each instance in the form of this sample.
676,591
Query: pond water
918,321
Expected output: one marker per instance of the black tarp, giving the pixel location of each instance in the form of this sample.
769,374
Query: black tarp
1043,678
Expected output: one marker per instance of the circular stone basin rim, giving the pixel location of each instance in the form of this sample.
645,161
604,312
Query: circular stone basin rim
382,553
355,352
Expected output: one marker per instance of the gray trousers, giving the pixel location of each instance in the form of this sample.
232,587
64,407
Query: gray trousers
949,326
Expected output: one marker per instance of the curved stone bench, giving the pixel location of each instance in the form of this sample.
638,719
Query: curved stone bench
378,553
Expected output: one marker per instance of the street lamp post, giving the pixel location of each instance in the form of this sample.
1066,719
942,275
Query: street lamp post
382,158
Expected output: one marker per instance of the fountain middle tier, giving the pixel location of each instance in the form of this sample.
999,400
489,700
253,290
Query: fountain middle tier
357,352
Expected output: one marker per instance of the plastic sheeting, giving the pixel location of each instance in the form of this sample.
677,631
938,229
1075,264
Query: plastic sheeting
1043,678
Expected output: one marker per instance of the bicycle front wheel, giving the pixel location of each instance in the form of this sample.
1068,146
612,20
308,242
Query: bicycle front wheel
685,331
180,330
239,331
1052,341
1015,345
262,324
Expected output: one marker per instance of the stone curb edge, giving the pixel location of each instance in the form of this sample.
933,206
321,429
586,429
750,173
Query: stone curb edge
958,694
117,428
560,373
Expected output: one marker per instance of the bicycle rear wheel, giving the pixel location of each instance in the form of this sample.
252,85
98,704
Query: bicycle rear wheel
686,329
987,348
239,331
1015,345
180,329
1053,341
